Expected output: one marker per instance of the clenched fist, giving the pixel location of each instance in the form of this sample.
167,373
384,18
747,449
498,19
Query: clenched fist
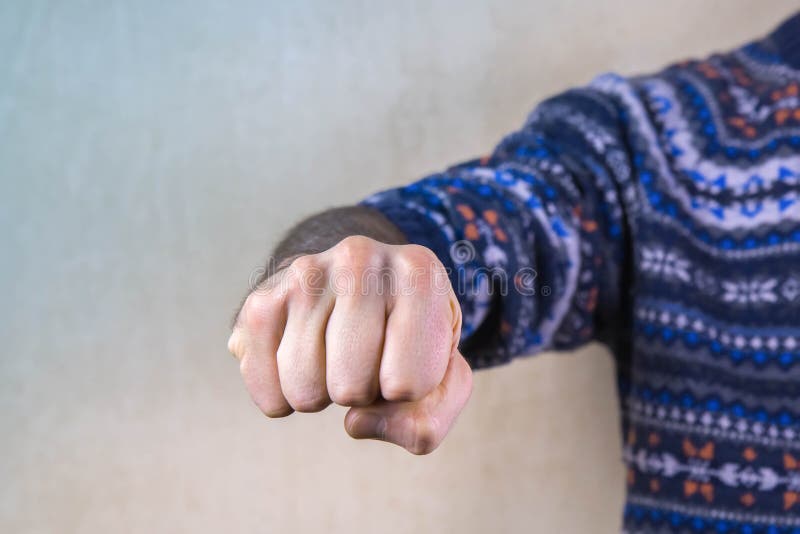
363,324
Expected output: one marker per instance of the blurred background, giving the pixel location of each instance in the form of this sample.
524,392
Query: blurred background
151,153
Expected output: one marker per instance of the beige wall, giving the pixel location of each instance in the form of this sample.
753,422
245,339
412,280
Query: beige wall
149,154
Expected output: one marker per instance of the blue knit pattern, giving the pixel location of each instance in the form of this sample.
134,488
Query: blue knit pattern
659,215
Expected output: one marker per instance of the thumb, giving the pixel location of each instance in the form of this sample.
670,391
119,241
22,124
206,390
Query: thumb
420,426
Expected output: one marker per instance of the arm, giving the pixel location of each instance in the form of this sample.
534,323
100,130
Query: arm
535,235
543,211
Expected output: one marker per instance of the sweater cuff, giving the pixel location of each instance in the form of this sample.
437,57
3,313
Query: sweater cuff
418,227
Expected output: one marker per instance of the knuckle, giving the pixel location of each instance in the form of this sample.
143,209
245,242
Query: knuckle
257,312
303,263
421,270
352,395
356,266
416,257
394,389
266,281
305,277
310,405
354,245
356,252
308,401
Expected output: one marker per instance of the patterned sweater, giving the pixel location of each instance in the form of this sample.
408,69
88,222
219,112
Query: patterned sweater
659,215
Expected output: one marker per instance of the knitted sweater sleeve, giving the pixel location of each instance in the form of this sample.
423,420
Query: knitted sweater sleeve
534,236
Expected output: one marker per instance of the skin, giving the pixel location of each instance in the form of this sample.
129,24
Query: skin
321,330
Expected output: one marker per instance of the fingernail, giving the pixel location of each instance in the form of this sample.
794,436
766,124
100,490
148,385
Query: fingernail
368,425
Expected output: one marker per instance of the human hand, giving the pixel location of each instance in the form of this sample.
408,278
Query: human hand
367,325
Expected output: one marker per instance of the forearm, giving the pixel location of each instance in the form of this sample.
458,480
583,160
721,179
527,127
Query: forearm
533,234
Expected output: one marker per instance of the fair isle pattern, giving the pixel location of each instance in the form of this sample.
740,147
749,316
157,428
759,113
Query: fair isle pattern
659,215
